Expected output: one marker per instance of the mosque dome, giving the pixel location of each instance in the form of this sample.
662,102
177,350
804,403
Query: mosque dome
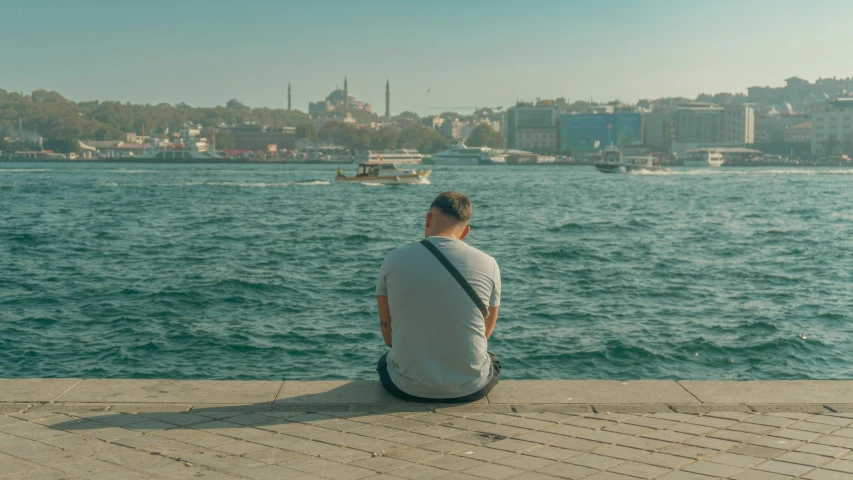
784,108
336,96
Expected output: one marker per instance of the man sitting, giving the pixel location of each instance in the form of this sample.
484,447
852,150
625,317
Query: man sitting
438,332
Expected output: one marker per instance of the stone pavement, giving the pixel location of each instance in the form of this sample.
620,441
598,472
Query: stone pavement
597,430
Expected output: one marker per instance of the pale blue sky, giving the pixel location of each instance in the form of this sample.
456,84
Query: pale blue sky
469,52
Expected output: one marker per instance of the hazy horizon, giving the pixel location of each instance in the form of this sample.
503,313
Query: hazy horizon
437,56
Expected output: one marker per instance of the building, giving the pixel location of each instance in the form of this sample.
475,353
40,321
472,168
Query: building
799,133
338,99
251,136
738,125
832,128
451,128
433,122
322,121
532,128
659,128
594,131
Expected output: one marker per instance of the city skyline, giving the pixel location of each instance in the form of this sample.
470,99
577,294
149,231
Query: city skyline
438,57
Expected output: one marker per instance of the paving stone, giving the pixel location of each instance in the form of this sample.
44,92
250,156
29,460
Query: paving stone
809,426
711,469
591,460
825,450
494,471
578,444
821,474
664,460
783,468
453,462
839,465
682,475
770,421
637,469
804,459
668,436
489,454
743,461
775,442
835,441
553,453
655,423
712,443
567,470
759,475
757,451
628,429
832,420
732,435
644,444
345,472
610,476
689,451
617,451
524,462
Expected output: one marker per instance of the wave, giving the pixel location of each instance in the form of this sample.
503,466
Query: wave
22,170
750,171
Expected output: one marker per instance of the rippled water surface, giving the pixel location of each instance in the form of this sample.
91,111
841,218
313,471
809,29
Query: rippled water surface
268,271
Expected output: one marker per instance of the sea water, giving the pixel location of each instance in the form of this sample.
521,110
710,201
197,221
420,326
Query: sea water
268,271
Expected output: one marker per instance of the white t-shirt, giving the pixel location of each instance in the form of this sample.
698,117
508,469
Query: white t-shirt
438,335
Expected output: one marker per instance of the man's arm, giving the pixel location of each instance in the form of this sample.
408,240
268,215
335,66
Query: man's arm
385,318
491,320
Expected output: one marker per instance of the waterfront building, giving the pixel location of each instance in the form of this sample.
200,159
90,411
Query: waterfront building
586,132
433,122
252,136
532,128
799,133
659,128
338,99
832,128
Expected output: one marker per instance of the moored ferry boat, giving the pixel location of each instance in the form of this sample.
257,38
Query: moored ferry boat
385,173
612,161
400,156
463,155
188,154
704,157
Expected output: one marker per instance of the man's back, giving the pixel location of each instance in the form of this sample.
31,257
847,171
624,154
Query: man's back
438,334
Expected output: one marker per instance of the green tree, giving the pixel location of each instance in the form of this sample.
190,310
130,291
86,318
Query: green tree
484,136
384,138
62,145
306,130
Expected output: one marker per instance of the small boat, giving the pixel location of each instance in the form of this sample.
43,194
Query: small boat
384,173
612,161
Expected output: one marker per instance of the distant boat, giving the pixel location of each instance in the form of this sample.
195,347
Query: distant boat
612,161
400,156
384,173
704,158
461,155
188,154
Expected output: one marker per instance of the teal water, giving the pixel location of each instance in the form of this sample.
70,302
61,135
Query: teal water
268,271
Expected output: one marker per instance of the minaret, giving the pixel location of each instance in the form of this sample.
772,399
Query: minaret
288,96
387,99
346,93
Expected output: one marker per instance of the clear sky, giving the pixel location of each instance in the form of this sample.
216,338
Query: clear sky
438,54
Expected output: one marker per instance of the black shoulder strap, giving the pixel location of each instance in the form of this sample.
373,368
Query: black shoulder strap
458,276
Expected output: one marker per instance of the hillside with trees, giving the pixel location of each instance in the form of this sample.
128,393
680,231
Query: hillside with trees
53,116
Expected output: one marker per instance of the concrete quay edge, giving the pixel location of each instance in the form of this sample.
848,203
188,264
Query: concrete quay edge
562,396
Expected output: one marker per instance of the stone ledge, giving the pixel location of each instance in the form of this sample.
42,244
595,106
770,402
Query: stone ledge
566,396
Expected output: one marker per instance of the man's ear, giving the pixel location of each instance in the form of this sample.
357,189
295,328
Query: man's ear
465,232
429,219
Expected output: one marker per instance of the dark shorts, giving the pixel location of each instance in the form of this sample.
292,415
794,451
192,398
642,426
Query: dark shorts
385,379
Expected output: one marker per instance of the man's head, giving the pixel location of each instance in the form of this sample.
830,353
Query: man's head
448,216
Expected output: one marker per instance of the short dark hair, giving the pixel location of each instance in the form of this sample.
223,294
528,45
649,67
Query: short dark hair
453,204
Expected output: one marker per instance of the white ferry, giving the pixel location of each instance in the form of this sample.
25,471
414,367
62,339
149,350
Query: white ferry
400,156
612,161
462,155
384,173
704,157
188,154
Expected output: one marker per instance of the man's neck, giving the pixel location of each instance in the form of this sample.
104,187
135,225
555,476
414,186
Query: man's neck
446,234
